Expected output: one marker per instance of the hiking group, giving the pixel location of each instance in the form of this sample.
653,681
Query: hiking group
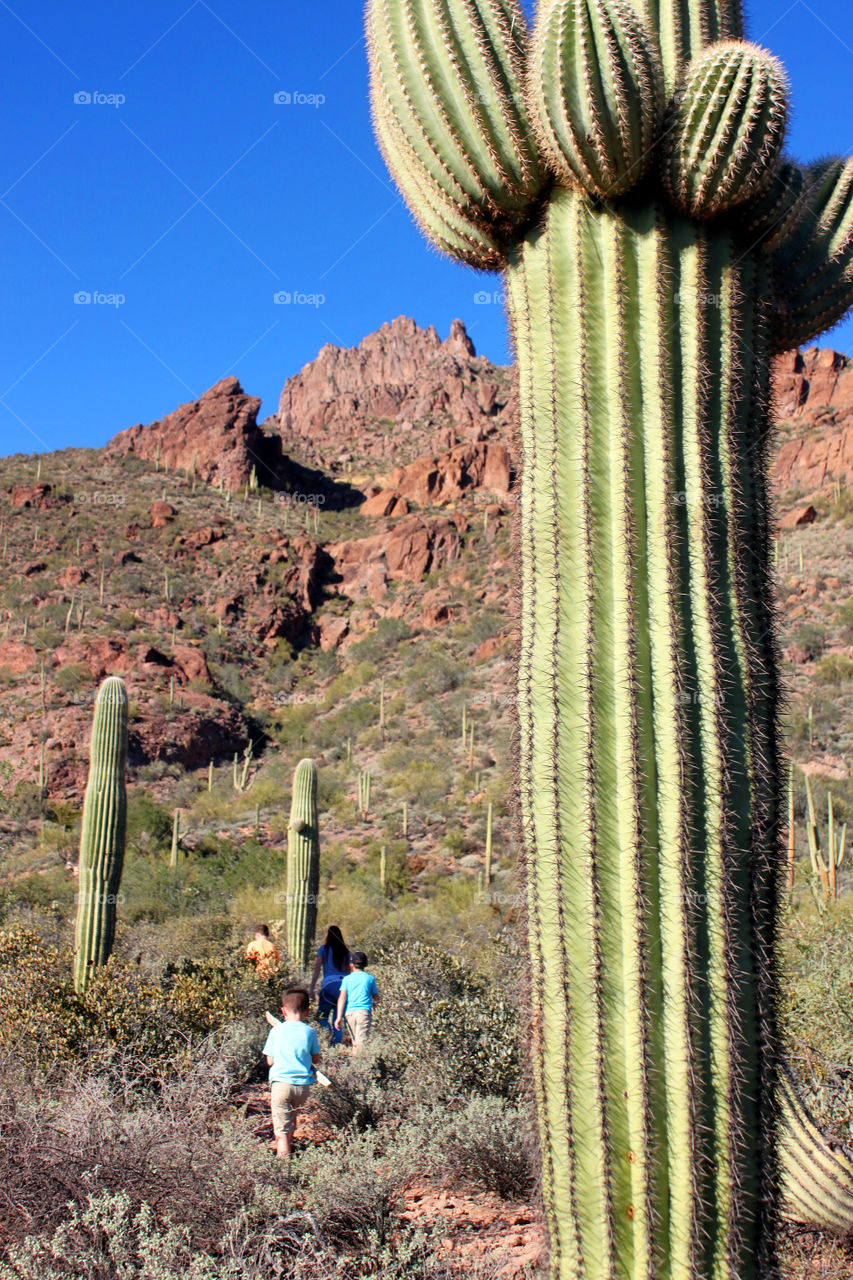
347,995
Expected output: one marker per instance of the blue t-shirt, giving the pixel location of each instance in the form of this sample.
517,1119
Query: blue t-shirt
331,973
361,990
290,1045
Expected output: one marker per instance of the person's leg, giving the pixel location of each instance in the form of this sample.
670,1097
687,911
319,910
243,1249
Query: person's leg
359,1025
282,1117
327,1010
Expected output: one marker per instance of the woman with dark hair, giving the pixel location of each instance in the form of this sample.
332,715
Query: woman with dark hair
333,963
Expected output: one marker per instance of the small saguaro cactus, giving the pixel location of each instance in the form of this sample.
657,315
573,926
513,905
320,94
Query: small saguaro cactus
102,837
622,163
303,864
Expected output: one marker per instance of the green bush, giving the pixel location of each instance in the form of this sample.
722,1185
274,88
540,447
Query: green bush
488,1145
73,677
447,1026
123,1014
834,669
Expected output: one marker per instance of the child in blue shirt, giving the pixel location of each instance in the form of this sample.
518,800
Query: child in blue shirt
359,995
292,1052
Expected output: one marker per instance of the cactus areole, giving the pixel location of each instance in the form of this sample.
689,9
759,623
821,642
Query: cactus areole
102,837
622,163
303,864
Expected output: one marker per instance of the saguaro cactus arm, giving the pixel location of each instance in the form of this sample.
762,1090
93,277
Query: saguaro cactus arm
814,265
817,1178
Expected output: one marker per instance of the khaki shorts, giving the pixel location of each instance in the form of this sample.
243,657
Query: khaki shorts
359,1023
285,1101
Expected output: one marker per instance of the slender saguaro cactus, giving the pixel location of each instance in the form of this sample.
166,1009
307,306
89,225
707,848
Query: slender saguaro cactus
303,864
622,163
103,833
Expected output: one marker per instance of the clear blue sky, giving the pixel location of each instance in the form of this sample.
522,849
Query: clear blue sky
199,197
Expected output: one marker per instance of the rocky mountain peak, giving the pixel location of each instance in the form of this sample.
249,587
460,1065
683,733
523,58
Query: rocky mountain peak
400,394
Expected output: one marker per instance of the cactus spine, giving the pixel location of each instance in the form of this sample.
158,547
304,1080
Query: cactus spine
103,833
303,864
648,689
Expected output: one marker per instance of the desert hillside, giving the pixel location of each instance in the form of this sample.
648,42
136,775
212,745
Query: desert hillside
338,581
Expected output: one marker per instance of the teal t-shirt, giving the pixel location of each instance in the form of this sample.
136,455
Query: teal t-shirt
290,1045
361,990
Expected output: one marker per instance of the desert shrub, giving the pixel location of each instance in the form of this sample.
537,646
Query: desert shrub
488,1145
435,1011
435,672
845,618
149,825
382,641
109,1240
834,669
811,639
123,1016
358,1096
353,1187
72,677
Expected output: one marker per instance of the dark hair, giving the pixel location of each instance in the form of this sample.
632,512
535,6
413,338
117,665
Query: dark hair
359,959
264,929
334,940
296,1000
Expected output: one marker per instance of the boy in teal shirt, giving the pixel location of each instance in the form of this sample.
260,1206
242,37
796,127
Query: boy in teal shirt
359,995
292,1052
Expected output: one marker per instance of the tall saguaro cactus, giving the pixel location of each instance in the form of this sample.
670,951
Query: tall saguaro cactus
303,864
102,837
623,164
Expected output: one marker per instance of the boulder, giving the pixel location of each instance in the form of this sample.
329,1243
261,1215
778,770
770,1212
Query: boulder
798,517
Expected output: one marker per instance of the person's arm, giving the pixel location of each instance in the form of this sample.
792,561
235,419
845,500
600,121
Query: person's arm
342,1004
316,1059
269,1061
318,967
274,1022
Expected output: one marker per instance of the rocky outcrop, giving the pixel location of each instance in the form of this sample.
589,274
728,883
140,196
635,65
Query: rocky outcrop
216,438
400,394
814,404
30,495
404,552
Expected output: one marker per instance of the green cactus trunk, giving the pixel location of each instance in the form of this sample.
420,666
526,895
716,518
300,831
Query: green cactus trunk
303,865
649,758
102,838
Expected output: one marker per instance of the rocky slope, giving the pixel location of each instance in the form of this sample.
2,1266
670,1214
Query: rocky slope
814,399
217,607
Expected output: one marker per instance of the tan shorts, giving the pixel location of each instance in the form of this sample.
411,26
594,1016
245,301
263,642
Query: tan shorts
285,1101
359,1023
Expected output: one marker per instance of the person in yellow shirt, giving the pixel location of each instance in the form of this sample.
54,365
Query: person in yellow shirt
262,952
